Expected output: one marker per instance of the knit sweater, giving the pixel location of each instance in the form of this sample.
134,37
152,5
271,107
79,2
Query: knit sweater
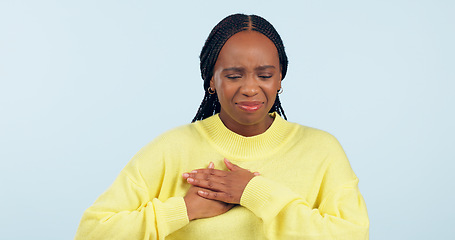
306,190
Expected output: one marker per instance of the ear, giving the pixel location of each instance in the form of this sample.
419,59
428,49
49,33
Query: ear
279,83
212,83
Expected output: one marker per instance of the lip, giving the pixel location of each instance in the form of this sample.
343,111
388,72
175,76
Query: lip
250,106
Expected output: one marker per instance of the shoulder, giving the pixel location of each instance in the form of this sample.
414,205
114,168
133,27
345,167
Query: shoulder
166,146
315,141
314,135
174,139
326,146
178,134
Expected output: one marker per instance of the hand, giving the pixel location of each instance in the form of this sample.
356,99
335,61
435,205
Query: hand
199,207
225,186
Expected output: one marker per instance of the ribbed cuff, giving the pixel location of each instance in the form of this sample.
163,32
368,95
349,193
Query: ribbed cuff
256,194
174,214
265,198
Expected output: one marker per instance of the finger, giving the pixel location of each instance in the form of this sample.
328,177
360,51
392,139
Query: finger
202,173
220,196
191,174
187,175
194,173
207,184
230,165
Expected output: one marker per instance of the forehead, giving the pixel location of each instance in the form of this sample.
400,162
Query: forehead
250,48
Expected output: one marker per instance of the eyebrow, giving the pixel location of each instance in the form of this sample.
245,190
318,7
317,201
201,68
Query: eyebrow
240,69
235,69
264,67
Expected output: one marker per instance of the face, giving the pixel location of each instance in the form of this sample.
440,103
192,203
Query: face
246,77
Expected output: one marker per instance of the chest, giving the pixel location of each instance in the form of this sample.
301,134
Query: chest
237,223
300,171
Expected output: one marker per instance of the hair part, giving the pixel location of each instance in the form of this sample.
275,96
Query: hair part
217,38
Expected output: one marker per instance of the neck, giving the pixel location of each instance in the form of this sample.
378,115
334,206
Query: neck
248,130
235,146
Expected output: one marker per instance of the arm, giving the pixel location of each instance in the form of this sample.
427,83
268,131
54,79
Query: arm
133,208
341,215
128,211
338,213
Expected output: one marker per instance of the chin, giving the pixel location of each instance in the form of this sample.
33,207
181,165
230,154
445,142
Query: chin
252,118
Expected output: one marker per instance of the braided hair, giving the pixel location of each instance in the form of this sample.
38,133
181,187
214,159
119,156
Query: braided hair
217,38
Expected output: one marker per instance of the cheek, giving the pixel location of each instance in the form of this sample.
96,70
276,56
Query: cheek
222,92
226,89
273,86
271,91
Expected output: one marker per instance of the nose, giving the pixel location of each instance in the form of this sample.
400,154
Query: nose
250,87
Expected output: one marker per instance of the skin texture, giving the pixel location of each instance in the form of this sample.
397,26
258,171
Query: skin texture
247,71
224,186
202,207
247,76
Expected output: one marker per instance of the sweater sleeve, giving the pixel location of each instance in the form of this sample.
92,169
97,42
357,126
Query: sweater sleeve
339,212
130,208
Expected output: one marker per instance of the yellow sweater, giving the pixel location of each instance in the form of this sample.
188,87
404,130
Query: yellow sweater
307,189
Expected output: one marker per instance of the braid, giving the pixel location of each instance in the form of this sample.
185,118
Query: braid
217,38
261,25
278,108
209,106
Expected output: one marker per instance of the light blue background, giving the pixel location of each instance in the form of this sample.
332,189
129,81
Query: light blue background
85,84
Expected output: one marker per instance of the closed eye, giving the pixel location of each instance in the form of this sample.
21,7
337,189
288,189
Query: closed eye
233,76
265,76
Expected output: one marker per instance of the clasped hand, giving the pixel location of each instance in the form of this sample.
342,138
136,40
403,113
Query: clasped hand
224,186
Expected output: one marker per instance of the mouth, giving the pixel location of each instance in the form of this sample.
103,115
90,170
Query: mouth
250,106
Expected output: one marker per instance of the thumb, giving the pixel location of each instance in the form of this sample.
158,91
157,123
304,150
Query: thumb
230,165
211,165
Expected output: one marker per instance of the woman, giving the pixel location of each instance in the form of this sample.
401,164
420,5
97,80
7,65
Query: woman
266,178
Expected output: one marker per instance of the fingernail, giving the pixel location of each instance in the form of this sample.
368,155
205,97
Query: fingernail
185,175
227,160
194,171
211,165
201,192
190,180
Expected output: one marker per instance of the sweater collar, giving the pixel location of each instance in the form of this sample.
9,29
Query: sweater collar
245,148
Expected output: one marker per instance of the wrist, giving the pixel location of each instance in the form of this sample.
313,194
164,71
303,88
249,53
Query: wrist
189,212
